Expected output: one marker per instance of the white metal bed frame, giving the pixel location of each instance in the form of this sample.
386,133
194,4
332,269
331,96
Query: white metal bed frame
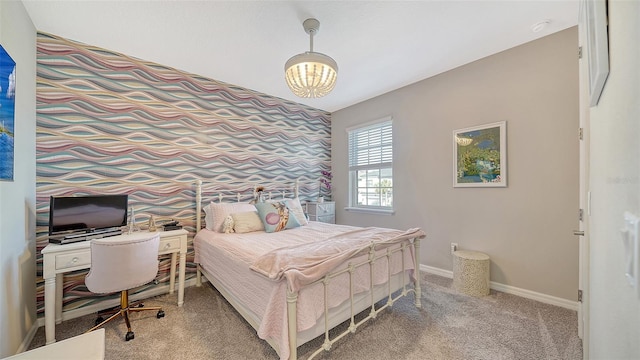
292,296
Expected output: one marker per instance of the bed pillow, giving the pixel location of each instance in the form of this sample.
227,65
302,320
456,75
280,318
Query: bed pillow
276,216
208,217
220,211
296,208
247,221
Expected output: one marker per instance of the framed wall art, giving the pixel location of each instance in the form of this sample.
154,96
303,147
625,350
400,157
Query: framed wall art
7,110
595,21
480,156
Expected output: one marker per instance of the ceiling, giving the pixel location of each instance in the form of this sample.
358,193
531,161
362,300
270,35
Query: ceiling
379,46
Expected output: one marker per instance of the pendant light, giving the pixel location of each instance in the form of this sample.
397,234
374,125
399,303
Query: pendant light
311,74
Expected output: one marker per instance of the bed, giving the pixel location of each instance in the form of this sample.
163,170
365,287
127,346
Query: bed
300,282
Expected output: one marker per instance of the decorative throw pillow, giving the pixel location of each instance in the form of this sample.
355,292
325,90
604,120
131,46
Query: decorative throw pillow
220,211
276,216
296,208
248,221
227,226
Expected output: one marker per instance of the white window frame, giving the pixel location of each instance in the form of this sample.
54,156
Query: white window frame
353,181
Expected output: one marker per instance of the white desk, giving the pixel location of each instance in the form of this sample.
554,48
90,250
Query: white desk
59,259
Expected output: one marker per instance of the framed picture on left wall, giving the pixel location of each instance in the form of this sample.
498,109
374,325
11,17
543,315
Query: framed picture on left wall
7,110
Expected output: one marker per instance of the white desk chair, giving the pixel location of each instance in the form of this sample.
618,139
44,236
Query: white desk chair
121,263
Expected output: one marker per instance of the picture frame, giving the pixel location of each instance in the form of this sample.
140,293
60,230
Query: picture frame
7,114
595,21
480,156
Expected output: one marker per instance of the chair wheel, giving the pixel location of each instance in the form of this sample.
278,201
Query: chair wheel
99,320
129,336
160,314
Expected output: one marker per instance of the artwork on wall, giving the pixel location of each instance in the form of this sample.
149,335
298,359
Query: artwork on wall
7,109
480,156
595,21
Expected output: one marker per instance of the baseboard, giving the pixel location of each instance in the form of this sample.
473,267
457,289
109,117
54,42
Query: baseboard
26,342
508,289
106,304
436,271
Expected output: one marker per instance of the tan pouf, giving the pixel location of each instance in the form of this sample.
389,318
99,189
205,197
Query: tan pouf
471,272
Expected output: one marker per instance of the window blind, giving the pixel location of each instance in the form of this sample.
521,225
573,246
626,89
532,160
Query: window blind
371,147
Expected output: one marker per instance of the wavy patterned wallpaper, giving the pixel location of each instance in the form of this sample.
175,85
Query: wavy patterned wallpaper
108,123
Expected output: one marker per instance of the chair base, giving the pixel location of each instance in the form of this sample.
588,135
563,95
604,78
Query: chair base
124,311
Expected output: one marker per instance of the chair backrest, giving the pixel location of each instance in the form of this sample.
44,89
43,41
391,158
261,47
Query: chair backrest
123,262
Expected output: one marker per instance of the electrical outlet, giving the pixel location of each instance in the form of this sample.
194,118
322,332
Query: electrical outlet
454,247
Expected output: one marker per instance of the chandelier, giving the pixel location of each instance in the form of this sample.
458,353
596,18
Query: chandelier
311,74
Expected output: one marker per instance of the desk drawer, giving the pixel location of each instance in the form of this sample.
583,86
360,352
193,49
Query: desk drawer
79,258
169,244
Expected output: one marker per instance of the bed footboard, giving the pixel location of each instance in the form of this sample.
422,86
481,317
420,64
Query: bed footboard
292,296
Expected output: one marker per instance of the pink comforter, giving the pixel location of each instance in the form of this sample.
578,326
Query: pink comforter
303,264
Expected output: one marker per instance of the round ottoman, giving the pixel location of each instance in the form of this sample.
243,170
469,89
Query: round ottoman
471,272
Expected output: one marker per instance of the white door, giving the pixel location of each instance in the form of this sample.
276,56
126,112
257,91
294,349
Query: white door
582,234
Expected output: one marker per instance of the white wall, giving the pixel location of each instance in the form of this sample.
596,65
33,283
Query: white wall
615,188
526,228
17,198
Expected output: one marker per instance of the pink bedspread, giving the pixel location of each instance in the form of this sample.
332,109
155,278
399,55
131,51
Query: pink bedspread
303,264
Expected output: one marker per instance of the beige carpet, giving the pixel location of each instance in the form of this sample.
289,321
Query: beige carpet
449,326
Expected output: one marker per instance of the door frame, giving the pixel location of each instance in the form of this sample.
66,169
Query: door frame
584,192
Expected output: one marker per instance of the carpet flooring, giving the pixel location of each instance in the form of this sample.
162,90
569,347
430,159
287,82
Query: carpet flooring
450,326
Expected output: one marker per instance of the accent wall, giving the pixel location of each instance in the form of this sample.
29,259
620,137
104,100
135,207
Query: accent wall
108,123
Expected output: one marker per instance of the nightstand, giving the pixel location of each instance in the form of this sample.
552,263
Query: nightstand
323,212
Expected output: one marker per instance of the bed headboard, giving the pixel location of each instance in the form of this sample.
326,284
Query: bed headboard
239,195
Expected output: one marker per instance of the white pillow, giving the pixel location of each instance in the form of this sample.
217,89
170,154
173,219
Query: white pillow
249,221
216,213
295,207
208,217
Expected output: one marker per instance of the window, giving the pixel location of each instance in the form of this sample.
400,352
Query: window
371,166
